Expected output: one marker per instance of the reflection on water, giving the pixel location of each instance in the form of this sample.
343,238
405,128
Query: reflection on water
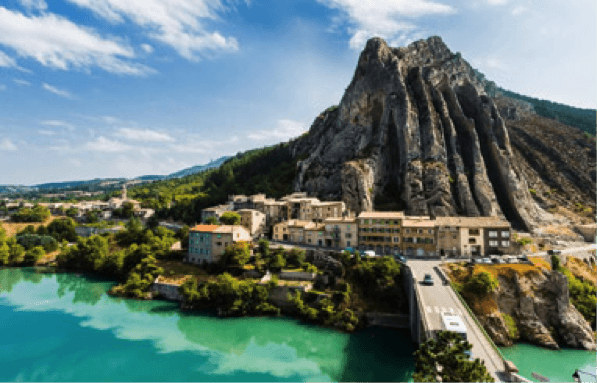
198,346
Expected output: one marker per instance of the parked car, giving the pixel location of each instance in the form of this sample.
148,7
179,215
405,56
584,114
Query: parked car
469,354
401,258
369,253
428,280
495,260
554,252
486,260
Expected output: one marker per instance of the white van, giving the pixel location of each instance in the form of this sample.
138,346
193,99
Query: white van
369,253
454,323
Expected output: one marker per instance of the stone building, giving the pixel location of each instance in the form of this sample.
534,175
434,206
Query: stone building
472,236
380,232
419,237
208,242
253,220
341,232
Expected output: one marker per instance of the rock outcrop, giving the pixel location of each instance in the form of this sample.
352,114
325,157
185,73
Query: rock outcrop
540,305
416,130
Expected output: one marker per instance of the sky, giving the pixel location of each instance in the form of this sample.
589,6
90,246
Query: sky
123,88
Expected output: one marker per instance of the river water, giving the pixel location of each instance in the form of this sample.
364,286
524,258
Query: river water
63,327
557,365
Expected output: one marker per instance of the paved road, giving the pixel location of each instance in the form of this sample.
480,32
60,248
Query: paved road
441,298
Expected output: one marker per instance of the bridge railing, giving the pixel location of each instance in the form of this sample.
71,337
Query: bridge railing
426,331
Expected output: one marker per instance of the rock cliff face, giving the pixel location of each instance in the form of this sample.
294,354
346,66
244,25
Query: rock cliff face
415,131
540,305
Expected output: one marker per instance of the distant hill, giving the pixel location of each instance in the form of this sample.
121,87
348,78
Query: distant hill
197,169
584,119
107,183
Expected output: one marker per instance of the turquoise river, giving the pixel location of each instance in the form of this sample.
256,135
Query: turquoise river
64,327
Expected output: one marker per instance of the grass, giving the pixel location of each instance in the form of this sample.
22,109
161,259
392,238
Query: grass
177,269
541,263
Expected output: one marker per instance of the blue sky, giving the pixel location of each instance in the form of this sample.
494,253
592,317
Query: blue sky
122,88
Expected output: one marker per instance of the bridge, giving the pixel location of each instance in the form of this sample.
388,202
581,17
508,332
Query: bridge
427,303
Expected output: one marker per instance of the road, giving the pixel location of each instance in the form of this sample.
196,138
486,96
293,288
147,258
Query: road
441,298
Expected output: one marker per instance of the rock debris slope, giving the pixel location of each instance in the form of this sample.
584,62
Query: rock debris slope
415,130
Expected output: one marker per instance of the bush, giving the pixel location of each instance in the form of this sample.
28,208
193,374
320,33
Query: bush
33,255
29,241
512,328
230,218
481,284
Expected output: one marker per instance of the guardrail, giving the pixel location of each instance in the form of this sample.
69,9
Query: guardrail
421,308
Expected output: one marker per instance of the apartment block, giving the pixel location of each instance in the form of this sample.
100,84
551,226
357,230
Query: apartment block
473,236
380,232
419,237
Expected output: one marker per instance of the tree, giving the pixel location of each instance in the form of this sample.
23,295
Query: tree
482,283
264,247
295,257
276,262
555,262
71,212
230,218
33,255
445,359
212,220
183,235
153,222
236,255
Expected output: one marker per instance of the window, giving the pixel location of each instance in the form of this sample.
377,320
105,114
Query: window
348,235
505,243
493,234
473,231
505,234
407,231
348,243
430,231
493,243
472,240
396,239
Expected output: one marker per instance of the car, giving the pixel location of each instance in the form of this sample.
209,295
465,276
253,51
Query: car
369,253
495,260
401,258
469,354
428,280
486,260
554,252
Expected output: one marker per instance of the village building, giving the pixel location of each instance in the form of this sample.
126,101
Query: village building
472,236
208,242
380,232
215,211
253,220
419,237
341,232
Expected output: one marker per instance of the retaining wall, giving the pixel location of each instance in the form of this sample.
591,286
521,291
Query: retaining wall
167,291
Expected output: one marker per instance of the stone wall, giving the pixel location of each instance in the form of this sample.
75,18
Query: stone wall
279,295
167,291
296,276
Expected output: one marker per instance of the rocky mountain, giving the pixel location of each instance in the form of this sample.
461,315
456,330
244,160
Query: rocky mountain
197,169
419,129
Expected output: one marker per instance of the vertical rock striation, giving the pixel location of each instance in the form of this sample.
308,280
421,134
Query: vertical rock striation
415,129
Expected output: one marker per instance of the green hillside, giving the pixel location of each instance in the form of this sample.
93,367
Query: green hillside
269,170
584,119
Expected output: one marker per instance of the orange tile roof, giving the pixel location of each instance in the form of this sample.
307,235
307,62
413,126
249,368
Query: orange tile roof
204,228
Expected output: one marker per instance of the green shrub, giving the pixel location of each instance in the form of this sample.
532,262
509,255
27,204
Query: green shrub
533,191
481,284
512,328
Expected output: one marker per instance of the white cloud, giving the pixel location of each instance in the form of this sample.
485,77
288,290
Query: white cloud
284,130
6,61
490,62
37,5
58,123
103,144
189,149
176,23
387,19
21,82
144,135
147,48
498,2
519,9
59,92
7,144
47,132
56,42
